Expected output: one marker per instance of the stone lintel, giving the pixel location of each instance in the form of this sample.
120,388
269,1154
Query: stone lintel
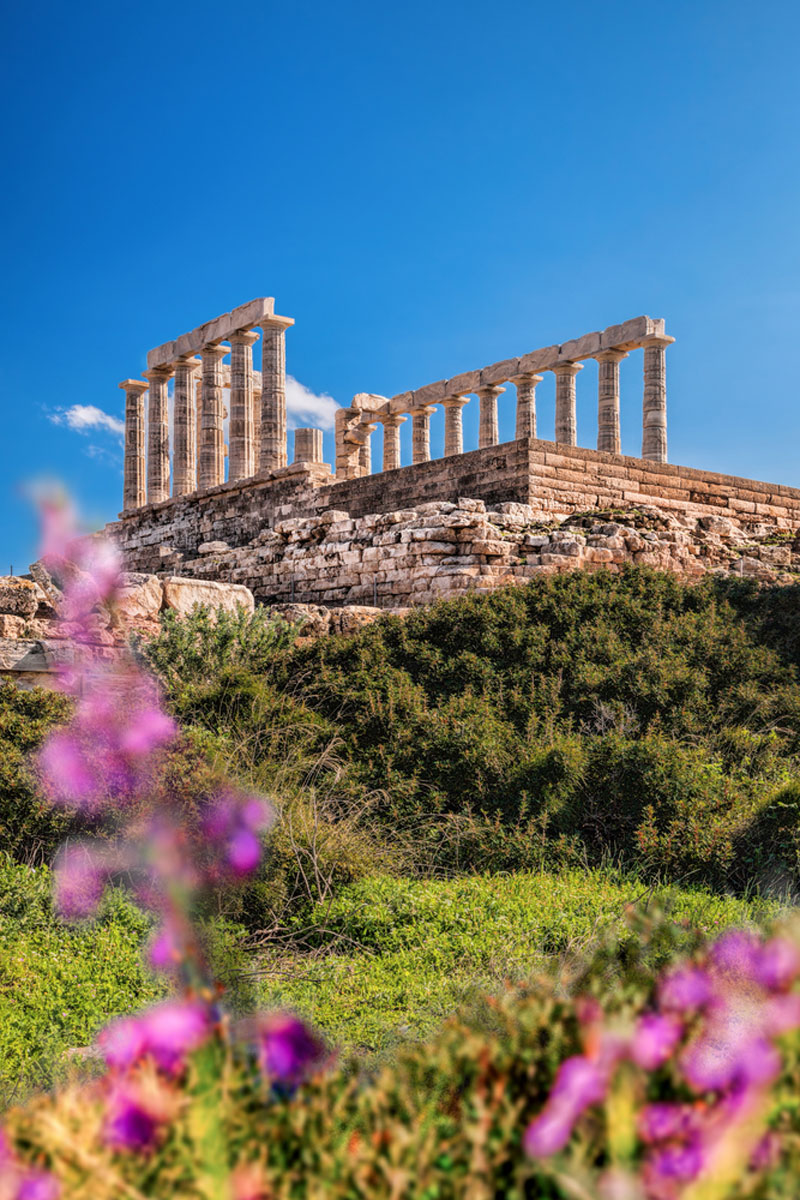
538,360
465,383
432,393
401,403
582,347
255,312
630,334
499,372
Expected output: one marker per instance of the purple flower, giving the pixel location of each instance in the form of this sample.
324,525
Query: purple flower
129,1125
777,964
244,852
68,774
123,1042
79,881
165,949
654,1039
736,954
664,1122
681,1162
38,1185
781,1014
287,1048
685,989
235,823
580,1082
173,1029
723,1057
148,730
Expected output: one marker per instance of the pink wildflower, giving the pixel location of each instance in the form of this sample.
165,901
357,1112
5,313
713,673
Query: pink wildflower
287,1049
685,989
580,1083
129,1124
777,964
654,1039
79,882
173,1029
38,1185
123,1042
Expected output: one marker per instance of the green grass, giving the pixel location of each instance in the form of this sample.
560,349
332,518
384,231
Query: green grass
60,984
420,949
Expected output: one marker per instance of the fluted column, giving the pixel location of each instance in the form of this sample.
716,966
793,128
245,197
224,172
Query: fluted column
273,395
566,419
158,435
453,425
242,432
654,403
526,404
365,456
308,445
421,433
134,489
256,429
488,428
211,458
391,440
608,430
184,450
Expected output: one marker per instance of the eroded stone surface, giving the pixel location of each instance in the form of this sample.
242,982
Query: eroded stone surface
182,595
18,597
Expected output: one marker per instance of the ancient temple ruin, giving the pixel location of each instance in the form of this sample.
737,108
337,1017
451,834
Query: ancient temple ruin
404,534
257,441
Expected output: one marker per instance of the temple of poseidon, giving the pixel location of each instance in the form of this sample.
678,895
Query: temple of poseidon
206,521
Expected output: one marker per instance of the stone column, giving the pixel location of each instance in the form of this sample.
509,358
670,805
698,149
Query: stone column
488,429
391,440
242,434
566,420
134,491
198,426
365,456
608,432
453,425
158,435
421,433
256,429
184,450
273,395
526,404
211,458
308,445
347,453
654,404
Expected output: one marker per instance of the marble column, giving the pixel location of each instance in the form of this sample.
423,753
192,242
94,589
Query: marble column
453,425
566,419
608,430
421,433
526,404
365,456
308,445
391,440
184,450
242,433
347,452
211,457
158,435
134,489
256,428
488,428
273,395
654,403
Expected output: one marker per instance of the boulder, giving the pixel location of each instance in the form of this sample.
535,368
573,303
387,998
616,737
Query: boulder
141,596
182,595
213,548
18,597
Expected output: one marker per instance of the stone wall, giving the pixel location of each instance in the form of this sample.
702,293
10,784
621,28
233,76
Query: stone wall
192,535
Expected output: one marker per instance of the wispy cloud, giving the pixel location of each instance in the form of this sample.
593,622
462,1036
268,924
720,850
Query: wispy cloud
304,407
85,417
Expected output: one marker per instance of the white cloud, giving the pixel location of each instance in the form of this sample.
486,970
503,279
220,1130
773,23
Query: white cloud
84,417
304,407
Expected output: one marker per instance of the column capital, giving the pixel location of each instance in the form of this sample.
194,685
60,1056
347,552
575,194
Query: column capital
159,374
276,323
423,410
526,377
391,420
215,350
567,368
244,337
135,386
490,389
456,401
657,340
613,356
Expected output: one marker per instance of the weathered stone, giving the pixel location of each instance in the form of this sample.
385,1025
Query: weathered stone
182,595
141,596
213,548
18,597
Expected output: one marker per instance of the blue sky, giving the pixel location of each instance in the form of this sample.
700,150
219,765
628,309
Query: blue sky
424,187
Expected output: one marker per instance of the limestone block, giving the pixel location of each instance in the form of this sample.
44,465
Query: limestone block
18,597
181,595
538,360
499,372
628,334
462,385
582,347
432,393
140,596
213,548
12,627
